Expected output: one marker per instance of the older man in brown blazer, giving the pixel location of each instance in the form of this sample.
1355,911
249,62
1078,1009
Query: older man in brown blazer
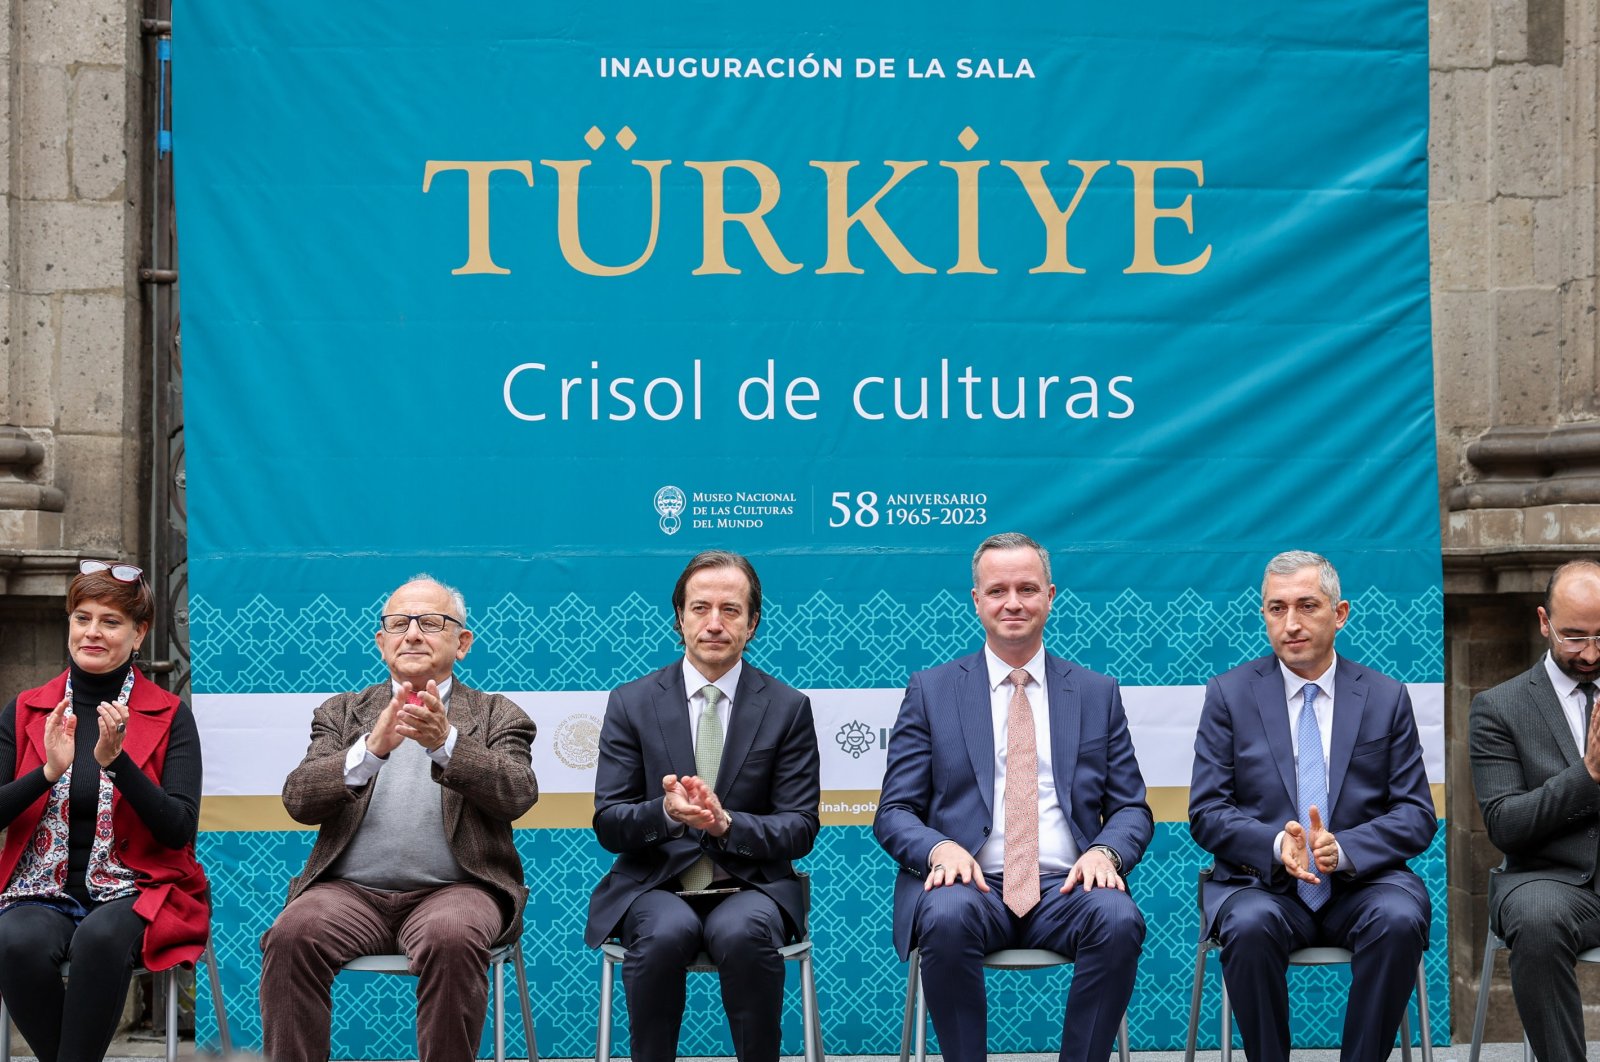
414,784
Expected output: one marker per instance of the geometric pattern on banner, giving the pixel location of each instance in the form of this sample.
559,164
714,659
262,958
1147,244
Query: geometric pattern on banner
285,646
860,983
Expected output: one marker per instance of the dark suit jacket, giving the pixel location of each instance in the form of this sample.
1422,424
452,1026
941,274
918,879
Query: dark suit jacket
1540,805
769,781
939,782
1244,789
488,784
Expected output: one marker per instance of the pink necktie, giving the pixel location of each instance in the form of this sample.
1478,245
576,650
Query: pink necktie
1021,888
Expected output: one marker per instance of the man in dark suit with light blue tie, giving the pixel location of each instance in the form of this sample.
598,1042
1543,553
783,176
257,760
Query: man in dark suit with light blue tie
1310,792
1014,806
707,787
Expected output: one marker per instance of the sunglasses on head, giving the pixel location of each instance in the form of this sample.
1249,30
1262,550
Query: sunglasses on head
122,573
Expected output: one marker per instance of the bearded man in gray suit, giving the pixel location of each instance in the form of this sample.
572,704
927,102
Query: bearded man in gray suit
413,783
1536,768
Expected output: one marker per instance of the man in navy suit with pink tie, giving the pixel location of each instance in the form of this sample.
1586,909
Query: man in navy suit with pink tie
1014,805
1309,790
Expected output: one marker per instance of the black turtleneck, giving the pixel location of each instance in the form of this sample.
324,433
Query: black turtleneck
171,810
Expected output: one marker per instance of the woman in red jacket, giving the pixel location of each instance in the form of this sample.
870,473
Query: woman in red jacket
100,798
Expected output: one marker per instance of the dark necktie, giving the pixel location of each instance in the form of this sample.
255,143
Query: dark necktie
1587,689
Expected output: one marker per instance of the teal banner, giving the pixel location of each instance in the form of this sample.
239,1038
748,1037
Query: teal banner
543,299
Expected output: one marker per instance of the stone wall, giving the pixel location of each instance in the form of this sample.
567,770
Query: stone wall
73,431
1512,209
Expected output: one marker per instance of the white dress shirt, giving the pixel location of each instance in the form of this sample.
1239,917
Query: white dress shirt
1057,850
694,684
1571,698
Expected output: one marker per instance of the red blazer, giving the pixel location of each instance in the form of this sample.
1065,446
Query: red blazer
172,887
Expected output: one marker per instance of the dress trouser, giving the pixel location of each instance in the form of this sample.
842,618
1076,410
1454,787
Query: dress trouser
741,933
1383,927
1546,924
1101,931
74,1020
445,932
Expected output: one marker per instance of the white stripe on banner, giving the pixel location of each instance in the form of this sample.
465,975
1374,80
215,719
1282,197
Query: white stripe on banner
253,740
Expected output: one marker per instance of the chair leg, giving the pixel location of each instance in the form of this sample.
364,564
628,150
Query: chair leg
1422,1013
216,1000
527,1008
5,1032
172,1014
808,1010
922,1019
1227,1025
1405,1035
602,1032
1122,1039
499,1012
1527,1049
1482,1011
1194,1003
906,1030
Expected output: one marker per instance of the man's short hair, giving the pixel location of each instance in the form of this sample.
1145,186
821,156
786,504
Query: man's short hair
716,558
1571,566
1010,540
457,600
1291,561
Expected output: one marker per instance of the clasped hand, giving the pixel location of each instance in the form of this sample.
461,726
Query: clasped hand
418,716
690,801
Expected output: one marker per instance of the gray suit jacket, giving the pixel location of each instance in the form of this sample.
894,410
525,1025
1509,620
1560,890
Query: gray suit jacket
488,784
1539,803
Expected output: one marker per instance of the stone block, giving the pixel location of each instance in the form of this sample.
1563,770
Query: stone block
1580,333
34,337
1582,118
30,529
1526,137
1458,136
1508,30
90,388
1527,355
1563,237
40,162
102,114
76,31
1459,242
1545,34
1463,359
99,475
5,120
1458,34
1485,528
71,246
1513,243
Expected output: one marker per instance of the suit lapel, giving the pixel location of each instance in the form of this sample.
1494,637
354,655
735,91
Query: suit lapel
1274,711
974,709
1548,707
1349,702
672,716
749,709
1066,725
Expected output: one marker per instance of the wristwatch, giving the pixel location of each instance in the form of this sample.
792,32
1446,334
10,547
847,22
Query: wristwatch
1110,853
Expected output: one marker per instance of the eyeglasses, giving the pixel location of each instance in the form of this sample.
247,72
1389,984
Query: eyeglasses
122,573
1575,642
427,622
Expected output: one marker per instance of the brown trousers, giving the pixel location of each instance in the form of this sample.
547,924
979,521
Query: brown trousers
445,932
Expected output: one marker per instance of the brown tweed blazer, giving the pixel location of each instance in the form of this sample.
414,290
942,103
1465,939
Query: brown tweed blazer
488,784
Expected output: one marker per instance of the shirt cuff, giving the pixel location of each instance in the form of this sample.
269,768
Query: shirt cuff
441,755
360,765
1344,860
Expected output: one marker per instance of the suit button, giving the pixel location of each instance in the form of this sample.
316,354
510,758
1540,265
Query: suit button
1591,831
986,831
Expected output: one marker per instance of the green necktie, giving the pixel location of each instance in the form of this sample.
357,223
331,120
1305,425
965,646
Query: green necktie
707,758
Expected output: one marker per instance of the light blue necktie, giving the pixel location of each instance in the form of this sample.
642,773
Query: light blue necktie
1311,778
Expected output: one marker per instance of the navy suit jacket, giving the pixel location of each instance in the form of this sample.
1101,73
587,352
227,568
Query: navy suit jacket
769,781
1244,790
939,782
